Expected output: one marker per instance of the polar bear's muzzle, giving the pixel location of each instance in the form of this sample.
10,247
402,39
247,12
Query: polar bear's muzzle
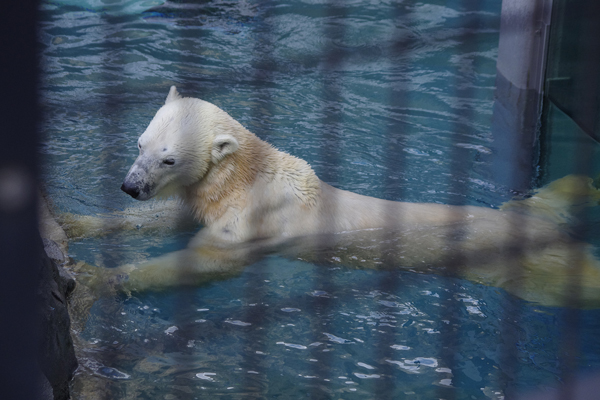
137,189
136,183
131,189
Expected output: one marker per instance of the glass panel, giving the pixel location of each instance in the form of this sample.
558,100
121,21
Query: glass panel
572,79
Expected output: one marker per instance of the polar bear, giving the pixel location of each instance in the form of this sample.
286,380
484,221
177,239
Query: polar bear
254,199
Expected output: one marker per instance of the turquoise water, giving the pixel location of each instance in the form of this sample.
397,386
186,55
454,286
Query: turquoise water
384,98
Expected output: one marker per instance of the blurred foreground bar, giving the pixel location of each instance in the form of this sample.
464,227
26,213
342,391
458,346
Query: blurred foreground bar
20,244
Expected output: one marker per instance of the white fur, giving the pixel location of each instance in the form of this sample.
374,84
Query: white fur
244,190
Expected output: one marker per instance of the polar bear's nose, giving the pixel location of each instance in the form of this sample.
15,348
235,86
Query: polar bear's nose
130,189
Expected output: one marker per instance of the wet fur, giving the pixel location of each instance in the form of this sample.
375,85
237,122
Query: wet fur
254,199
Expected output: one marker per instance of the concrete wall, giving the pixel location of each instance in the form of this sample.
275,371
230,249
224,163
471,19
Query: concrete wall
520,73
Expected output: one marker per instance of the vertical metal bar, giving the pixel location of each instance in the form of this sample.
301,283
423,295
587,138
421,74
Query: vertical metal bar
332,81
395,139
331,133
453,262
455,259
184,299
264,67
20,245
111,51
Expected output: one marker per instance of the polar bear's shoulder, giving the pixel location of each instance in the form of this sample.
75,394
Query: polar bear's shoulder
291,175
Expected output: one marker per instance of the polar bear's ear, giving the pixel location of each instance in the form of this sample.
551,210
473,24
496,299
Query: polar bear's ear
173,95
222,146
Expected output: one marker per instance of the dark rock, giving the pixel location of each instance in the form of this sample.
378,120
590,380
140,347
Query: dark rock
45,389
56,352
53,251
66,281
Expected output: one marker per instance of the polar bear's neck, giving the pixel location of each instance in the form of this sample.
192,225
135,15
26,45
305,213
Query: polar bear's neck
227,185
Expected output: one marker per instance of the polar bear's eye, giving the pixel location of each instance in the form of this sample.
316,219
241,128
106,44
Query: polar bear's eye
168,161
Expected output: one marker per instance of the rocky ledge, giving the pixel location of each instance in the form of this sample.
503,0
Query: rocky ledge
56,355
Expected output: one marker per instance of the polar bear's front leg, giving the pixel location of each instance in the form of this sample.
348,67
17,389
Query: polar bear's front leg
161,216
188,267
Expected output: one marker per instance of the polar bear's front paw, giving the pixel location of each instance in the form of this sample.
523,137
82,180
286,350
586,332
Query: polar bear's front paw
118,279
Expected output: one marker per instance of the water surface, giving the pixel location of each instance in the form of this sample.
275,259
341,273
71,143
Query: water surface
384,98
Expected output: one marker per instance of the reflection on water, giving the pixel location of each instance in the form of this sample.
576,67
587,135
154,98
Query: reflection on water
221,338
388,99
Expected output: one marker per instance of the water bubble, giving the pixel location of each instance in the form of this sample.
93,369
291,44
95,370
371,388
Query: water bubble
367,376
367,366
206,376
111,373
337,339
169,331
293,345
237,322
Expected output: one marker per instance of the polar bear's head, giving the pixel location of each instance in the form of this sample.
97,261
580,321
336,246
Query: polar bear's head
184,140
